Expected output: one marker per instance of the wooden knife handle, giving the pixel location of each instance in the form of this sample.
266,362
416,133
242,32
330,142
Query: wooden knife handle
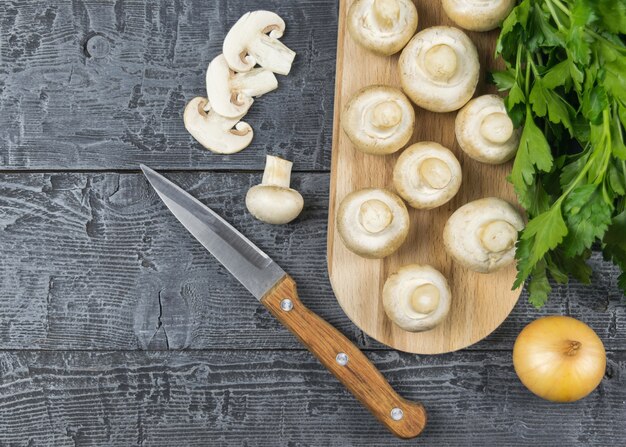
402,417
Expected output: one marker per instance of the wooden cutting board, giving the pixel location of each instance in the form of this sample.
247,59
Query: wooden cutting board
479,302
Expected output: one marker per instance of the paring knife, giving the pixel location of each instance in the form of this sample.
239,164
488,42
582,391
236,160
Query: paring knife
276,290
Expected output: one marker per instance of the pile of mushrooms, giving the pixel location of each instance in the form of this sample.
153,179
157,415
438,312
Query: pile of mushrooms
232,82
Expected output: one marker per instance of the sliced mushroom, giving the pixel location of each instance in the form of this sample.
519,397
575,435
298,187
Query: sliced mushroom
439,69
481,235
273,201
427,175
254,40
485,132
382,26
213,131
230,93
373,223
416,298
478,15
378,120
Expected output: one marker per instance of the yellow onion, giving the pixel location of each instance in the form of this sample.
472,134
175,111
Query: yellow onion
559,358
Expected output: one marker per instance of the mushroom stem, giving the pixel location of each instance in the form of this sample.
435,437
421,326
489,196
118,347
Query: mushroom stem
435,173
386,114
441,62
497,128
375,216
256,82
386,12
498,236
272,54
425,298
277,172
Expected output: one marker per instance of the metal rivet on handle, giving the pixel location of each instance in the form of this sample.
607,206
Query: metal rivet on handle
286,305
397,414
342,358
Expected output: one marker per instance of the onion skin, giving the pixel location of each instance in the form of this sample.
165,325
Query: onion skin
559,358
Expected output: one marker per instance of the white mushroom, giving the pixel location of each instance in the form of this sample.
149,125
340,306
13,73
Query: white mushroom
273,201
213,131
382,26
248,43
478,15
481,235
427,175
485,132
439,69
378,120
416,298
373,223
230,93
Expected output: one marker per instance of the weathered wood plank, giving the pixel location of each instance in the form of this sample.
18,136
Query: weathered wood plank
96,261
64,107
269,398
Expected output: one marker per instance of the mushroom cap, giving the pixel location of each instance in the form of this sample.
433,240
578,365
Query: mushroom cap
478,15
427,175
379,120
373,223
485,132
439,69
215,132
416,297
481,235
274,204
382,26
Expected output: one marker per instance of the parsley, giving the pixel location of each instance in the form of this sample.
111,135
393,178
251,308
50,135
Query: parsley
566,81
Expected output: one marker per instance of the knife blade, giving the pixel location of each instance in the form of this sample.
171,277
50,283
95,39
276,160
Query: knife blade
276,290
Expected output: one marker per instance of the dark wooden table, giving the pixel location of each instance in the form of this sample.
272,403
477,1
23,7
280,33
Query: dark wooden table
118,329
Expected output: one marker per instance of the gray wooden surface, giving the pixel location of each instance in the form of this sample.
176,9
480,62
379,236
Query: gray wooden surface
118,329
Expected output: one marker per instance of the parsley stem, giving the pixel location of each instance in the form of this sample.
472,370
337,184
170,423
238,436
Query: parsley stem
562,7
554,14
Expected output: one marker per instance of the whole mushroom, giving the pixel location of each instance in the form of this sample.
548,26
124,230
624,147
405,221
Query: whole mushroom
382,26
427,175
378,120
416,298
373,223
439,69
478,15
273,201
213,131
485,132
481,235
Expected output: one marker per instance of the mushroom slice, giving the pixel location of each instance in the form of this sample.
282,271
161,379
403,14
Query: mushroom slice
439,69
481,235
213,131
254,40
478,15
416,297
427,175
379,120
273,201
382,26
373,223
230,93
485,132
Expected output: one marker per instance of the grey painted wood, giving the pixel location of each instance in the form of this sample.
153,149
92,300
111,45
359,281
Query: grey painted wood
269,398
96,261
62,107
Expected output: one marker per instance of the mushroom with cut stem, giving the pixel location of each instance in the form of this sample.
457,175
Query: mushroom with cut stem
254,40
427,175
416,297
373,223
273,201
481,235
378,120
439,69
230,93
485,132
382,26
213,131
478,15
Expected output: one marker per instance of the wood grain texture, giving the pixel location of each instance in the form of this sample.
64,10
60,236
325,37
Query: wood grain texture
62,107
480,303
273,398
357,374
96,261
